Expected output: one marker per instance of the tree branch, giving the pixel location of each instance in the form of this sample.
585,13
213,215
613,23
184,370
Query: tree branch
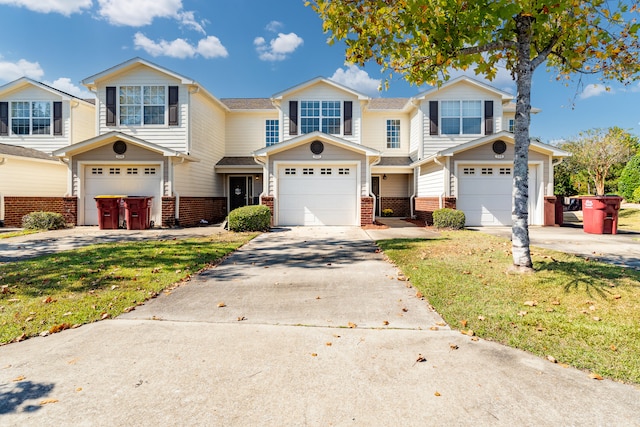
487,47
544,54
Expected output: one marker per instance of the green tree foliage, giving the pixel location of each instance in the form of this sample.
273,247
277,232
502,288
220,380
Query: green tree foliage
424,39
629,181
601,154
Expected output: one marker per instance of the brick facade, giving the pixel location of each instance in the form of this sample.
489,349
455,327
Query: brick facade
16,207
366,210
401,206
426,205
192,210
268,201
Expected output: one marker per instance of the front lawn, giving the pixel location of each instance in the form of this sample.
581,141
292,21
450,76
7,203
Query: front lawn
578,312
629,219
59,291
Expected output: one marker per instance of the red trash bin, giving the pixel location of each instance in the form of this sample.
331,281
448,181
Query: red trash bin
137,212
108,212
600,214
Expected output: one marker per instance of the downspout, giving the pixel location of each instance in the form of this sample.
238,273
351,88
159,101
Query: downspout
369,166
416,171
2,162
266,182
176,213
442,195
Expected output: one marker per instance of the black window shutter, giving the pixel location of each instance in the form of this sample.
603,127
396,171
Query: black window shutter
348,117
488,117
433,117
293,117
4,118
173,105
57,118
111,105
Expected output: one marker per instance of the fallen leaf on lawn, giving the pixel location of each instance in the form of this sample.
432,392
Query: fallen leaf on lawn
592,307
405,309
469,332
421,359
481,317
441,324
318,297
129,309
114,287
419,294
47,300
596,318
58,328
72,361
328,344
352,325
475,338
28,319
241,318
552,359
314,354
613,348
18,379
336,335
437,394
466,272
595,376
522,313
434,328
68,313
555,302
79,389
617,296
105,316
221,304
453,346
463,323
47,401
531,303
549,310
386,322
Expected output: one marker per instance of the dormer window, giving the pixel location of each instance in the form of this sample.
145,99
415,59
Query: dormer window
461,117
320,115
31,118
142,105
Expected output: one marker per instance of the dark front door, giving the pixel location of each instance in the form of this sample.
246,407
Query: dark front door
238,192
375,189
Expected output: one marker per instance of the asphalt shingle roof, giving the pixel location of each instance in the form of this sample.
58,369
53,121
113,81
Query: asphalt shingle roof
236,161
18,151
387,103
248,103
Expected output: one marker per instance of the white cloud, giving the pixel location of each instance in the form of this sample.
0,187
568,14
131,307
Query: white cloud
278,48
140,12
357,79
64,7
64,84
593,90
187,19
209,47
10,71
274,26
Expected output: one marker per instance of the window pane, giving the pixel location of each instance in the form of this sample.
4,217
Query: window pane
272,131
20,109
393,133
154,95
154,115
309,125
331,126
130,95
471,109
20,126
130,115
41,126
41,109
471,126
450,108
451,126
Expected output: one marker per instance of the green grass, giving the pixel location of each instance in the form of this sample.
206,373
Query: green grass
18,233
71,288
629,219
586,314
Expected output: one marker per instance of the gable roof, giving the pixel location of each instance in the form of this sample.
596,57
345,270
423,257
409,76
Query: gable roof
8,150
108,137
315,81
130,64
464,79
383,104
248,103
316,135
26,81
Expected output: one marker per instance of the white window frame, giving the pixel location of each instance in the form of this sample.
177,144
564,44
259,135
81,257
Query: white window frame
271,131
512,125
141,105
30,118
323,117
460,116
393,133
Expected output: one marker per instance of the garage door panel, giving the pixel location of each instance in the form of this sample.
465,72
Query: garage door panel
328,198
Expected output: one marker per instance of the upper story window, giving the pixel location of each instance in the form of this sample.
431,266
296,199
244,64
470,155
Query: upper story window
461,117
320,115
393,133
272,131
512,125
142,105
31,118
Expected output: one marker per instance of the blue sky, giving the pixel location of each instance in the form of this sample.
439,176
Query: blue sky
247,48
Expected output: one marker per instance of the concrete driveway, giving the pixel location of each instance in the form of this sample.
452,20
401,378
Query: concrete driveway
302,339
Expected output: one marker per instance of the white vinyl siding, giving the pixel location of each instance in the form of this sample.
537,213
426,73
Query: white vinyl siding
431,181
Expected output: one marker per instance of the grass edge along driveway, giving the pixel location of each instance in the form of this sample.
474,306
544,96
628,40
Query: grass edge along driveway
54,292
573,311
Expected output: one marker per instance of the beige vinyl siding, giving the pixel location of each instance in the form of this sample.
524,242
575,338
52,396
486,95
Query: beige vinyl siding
302,154
323,92
83,122
46,143
431,181
459,92
32,178
396,185
374,132
245,132
172,137
198,179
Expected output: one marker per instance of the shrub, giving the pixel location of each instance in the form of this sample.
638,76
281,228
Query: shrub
629,180
635,197
43,221
387,212
448,218
250,218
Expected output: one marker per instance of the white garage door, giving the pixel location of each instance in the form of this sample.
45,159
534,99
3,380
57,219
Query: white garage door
317,195
129,180
485,194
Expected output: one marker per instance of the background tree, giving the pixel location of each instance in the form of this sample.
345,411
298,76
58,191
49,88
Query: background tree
630,180
424,39
599,152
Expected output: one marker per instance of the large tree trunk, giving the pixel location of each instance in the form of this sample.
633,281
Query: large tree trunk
520,213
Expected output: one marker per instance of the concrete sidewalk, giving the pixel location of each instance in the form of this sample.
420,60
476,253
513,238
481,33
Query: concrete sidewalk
301,339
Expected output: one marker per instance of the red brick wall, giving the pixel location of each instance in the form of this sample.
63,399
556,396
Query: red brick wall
426,205
268,201
194,209
168,211
16,207
401,206
366,210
